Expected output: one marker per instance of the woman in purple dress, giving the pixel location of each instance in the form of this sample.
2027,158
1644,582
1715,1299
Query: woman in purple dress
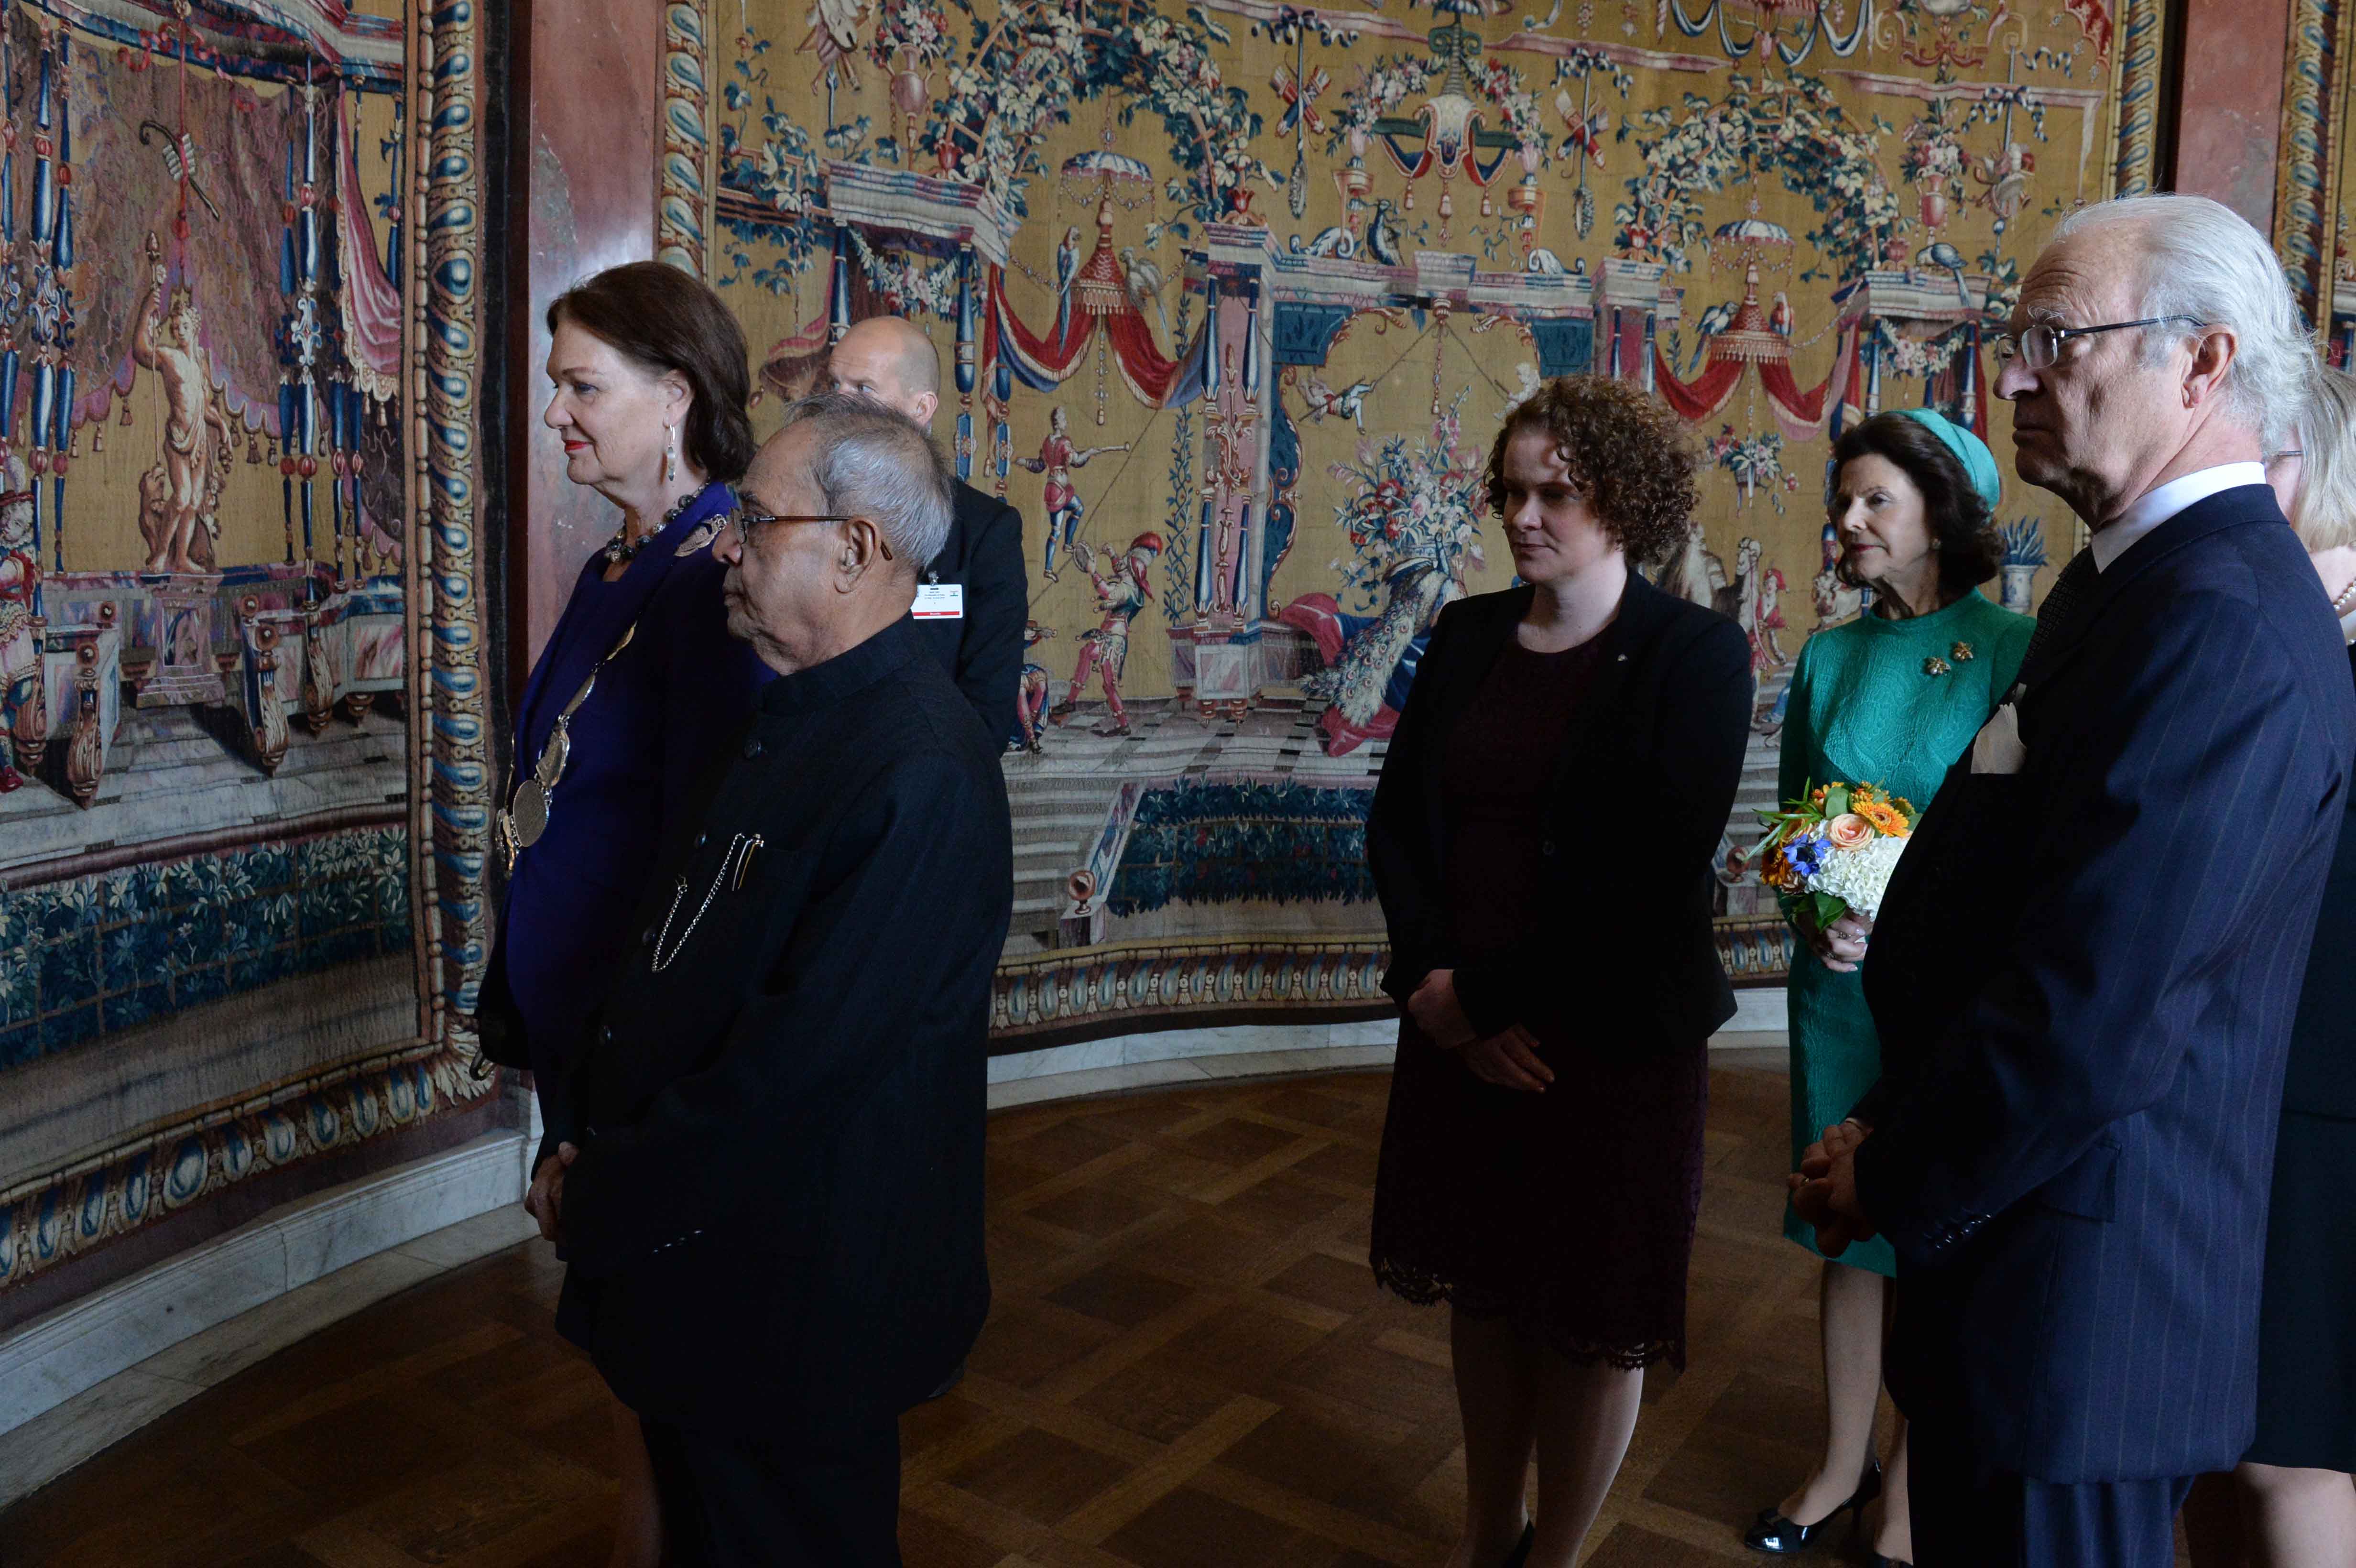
1542,840
638,684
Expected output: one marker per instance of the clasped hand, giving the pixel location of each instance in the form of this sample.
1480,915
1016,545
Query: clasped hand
545,1202
1839,946
1824,1189
1508,1059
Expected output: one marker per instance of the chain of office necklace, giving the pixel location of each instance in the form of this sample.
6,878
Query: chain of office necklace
621,549
660,963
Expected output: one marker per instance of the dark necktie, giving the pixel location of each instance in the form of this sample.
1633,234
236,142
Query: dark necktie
2060,609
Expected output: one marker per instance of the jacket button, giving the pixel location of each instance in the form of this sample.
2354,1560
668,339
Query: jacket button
752,749
648,939
1547,849
606,1034
702,840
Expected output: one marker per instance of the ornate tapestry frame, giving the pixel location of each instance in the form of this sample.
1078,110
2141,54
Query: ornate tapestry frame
2308,190
64,1214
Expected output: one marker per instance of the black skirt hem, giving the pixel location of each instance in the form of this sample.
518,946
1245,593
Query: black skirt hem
1529,1319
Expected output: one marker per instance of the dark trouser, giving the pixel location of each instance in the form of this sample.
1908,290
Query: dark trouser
731,1502
1964,1517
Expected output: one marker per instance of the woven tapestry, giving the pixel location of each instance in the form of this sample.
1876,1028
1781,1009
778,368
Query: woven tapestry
1235,294
244,762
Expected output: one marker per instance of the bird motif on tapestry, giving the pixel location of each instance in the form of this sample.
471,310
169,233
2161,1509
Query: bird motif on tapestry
1708,324
1948,260
1383,235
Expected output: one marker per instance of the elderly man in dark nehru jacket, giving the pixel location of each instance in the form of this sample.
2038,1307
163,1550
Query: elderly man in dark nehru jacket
973,598
773,1200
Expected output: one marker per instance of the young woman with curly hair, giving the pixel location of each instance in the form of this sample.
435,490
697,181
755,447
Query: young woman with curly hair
1542,840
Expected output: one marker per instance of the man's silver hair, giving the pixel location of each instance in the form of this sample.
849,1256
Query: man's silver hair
2202,260
877,463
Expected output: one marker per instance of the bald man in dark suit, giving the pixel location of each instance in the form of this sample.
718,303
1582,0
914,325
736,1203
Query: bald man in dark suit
974,598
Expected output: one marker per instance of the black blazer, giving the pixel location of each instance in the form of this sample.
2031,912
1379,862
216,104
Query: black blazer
983,652
775,1223
1641,798
2083,978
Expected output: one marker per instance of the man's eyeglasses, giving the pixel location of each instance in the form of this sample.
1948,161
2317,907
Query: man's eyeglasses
2040,346
743,520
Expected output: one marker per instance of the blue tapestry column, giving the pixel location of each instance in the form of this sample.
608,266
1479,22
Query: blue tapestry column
303,336
23,690
49,310
968,317
343,399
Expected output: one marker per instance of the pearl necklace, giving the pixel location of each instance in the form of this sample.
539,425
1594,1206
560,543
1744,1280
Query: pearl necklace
2347,597
622,549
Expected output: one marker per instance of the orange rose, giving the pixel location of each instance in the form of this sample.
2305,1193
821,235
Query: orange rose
1849,831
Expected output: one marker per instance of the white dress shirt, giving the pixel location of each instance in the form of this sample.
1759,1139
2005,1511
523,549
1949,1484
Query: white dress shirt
2156,505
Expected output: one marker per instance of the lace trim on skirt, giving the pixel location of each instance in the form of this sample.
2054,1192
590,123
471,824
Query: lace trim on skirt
1529,1316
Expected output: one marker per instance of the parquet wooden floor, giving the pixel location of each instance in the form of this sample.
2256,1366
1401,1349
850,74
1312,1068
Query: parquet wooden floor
1188,1367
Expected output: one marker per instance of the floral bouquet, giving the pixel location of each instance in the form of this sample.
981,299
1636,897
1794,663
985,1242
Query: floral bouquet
1834,848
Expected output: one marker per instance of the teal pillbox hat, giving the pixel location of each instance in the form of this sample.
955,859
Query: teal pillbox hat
1970,450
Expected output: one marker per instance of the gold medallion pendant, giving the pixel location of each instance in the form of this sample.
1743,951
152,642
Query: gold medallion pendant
530,814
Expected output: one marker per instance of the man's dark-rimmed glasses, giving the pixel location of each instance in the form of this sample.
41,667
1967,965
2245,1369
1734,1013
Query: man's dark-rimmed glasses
743,520
2038,347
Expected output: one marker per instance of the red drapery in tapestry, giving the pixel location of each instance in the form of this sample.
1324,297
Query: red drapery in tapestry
1100,302
1800,413
1698,399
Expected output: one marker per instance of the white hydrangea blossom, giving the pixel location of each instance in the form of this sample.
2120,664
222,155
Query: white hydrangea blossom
1860,877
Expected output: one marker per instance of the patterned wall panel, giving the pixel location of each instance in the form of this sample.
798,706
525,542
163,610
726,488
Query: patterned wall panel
1237,292
242,758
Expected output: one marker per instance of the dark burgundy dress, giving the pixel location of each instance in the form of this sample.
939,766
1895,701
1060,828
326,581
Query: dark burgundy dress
1571,1212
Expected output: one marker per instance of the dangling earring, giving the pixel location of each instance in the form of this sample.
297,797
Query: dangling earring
670,456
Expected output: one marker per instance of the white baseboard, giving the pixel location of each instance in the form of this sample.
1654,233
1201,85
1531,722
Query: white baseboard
1758,1009
133,1322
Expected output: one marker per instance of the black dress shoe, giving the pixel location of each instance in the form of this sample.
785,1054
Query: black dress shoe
1521,1552
1776,1535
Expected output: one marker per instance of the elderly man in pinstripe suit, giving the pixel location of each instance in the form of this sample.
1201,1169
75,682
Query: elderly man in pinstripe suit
2085,970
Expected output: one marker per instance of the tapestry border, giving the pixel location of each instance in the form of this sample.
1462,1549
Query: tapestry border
2307,177
683,199
2143,34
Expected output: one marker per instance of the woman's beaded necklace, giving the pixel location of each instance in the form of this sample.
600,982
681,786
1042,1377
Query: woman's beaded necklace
621,549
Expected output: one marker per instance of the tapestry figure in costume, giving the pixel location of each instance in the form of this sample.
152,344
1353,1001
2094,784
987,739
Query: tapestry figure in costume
179,497
1104,651
1031,693
1057,457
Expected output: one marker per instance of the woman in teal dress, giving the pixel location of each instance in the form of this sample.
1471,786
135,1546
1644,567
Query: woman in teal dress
1889,698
